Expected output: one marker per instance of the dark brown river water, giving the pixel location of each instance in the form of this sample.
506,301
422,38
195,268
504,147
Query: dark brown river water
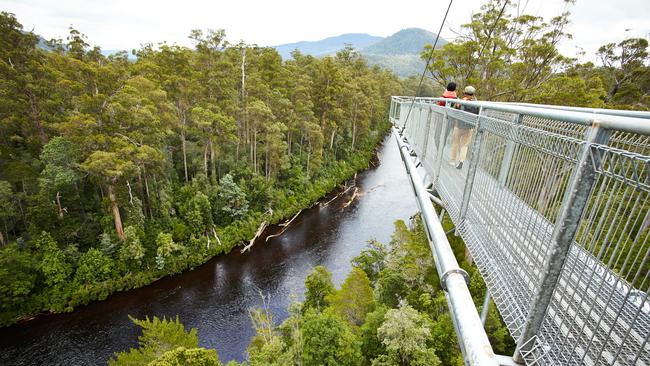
215,297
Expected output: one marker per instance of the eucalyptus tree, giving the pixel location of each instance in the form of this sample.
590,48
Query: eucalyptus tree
627,66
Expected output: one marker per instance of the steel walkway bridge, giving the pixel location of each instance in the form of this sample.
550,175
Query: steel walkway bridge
553,205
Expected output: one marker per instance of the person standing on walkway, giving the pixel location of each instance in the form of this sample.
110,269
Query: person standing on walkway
463,131
450,93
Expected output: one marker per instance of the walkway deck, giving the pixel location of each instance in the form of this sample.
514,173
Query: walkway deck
596,316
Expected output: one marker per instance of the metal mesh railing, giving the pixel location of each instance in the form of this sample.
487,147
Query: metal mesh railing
556,214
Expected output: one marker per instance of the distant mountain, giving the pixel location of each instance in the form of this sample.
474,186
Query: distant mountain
408,41
327,46
401,51
43,44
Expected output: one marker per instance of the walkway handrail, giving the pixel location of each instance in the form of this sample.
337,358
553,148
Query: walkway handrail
613,112
553,204
608,121
472,338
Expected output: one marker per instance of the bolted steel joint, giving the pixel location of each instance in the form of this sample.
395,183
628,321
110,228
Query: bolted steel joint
462,272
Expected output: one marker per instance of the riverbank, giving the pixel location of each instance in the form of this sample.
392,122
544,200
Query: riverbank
229,237
215,297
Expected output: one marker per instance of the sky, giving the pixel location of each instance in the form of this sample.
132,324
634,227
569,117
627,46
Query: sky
127,24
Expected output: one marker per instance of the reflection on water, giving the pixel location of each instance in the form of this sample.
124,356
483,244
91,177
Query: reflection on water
215,297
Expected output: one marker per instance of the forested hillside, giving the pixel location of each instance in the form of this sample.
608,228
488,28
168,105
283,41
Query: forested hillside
327,46
114,173
400,51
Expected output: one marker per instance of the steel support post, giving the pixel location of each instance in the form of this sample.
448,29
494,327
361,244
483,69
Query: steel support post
418,128
573,206
427,132
510,150
469,330
477,144
441,148
400,113
486,307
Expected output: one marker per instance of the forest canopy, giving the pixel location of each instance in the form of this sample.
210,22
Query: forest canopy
116,172
514,57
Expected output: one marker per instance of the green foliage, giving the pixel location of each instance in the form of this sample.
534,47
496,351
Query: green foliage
132,251
165,248
53,266
404,321
404,332
232,198
139,170
106,244
391,287
371,260
371,345
159,337
199,214
135,216
319,288
94,266
7,208
354,300
328,340
266,347
182,356
628,72
520,62
18,273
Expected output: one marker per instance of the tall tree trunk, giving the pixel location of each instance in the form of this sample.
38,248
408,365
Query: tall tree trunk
308,156
145,201
243,74
213,161
116,210
184,148
255,150
266,161
244,126
332,139
612,92
354,125
33,109
58,204
2,239
146,188
289,142
146,182
205,159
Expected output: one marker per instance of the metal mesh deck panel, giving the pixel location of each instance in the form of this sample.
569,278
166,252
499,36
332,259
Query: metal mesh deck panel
599,312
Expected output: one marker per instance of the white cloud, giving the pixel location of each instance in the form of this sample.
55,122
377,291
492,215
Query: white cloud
122,24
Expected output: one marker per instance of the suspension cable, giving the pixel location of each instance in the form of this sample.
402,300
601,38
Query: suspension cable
489,36
426,67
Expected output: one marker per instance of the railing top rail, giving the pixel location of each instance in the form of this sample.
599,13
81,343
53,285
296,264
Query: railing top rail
612,112
607,121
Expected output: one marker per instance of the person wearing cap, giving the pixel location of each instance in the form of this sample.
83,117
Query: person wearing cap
463,131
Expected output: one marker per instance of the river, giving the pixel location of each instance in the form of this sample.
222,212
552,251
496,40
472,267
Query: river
215,297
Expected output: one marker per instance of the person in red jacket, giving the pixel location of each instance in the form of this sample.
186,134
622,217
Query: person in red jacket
450,93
